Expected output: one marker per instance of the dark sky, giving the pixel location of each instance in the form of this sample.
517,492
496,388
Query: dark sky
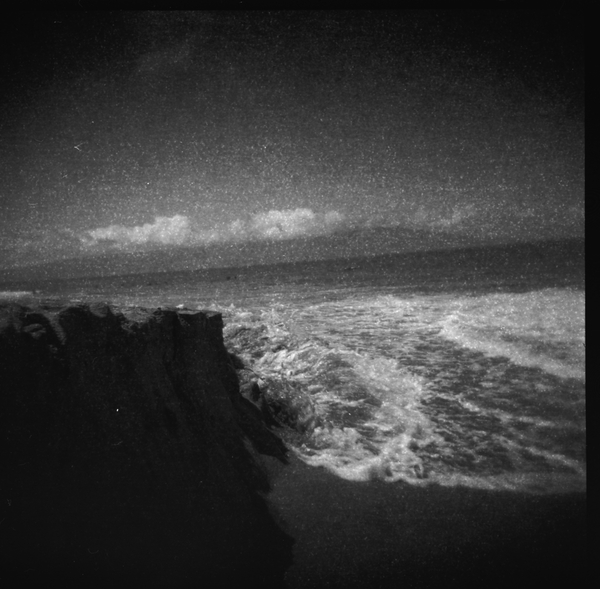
128,131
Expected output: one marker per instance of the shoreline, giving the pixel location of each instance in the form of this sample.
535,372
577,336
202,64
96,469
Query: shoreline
378,534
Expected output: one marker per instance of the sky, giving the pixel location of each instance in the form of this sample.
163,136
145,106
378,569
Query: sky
127,132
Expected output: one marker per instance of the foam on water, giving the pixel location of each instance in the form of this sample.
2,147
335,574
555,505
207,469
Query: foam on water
368,408
374,422
401,397
542,329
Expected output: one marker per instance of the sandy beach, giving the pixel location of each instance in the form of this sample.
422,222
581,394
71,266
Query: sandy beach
377,534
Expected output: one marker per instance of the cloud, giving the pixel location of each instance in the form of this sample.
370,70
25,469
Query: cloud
181,230
433,219
458,216
165,230
291,223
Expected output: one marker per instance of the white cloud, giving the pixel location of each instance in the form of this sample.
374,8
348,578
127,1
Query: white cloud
180,230
459,214
165,230
433,218
290,223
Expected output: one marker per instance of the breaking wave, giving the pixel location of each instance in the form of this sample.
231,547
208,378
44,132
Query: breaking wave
400,388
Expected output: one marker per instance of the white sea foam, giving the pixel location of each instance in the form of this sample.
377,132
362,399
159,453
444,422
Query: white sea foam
529,482
369,407
543,329
385,444
429,425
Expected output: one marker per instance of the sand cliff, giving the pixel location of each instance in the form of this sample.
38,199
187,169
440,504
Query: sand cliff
129,454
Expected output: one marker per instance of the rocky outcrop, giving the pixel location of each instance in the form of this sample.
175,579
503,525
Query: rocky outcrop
282,402
129,455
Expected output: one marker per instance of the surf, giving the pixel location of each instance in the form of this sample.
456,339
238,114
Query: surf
395,398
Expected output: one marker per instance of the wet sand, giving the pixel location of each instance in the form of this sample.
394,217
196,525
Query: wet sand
376,534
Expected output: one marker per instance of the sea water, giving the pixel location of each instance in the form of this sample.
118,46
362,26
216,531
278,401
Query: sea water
462,367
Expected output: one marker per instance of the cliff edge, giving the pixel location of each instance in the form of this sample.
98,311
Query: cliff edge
128,453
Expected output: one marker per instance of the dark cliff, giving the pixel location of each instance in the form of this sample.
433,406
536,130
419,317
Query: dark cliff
128,453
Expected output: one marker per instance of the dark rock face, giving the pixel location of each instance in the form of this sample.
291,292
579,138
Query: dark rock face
129,455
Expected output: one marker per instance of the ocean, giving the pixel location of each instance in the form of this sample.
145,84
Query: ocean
460,368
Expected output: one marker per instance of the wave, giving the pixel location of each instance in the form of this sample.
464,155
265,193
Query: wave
393,398
543,329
